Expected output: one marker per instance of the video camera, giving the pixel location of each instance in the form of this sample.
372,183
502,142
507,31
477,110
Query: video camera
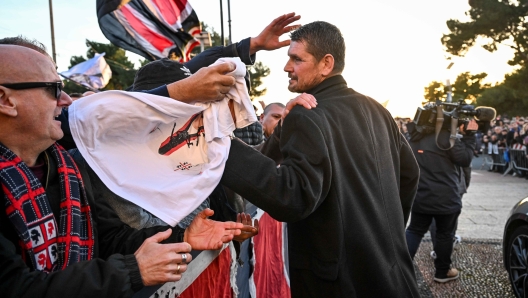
428,117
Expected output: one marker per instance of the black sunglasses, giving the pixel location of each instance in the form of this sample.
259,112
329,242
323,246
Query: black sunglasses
55,87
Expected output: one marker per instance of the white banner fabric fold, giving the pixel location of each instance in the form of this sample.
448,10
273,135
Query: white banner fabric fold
146,149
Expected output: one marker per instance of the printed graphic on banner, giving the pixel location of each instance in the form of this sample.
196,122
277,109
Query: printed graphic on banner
184,136
182,143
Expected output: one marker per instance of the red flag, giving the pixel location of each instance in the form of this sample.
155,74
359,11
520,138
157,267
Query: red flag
153,29
270,276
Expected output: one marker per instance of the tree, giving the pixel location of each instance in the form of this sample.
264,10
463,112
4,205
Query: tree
509,97
123,71
256,73
435,90
469,87
466,86
496,22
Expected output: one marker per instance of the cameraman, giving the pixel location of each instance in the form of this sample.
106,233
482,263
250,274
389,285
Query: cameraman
438,196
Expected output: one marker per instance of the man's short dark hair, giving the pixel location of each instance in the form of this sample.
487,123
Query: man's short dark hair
25,42
268,107
321,38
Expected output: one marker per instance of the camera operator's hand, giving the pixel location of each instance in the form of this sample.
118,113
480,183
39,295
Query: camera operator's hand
471,127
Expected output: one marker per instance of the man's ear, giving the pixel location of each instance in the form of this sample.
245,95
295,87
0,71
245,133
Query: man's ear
328,65
7,103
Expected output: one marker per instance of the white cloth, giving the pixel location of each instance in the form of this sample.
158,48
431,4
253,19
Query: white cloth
121,135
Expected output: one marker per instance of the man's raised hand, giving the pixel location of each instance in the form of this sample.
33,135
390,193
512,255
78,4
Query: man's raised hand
204,233
268,39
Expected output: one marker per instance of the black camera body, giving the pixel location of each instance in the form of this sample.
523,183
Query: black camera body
426,116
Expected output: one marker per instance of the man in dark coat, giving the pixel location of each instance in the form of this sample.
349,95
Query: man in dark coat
346,194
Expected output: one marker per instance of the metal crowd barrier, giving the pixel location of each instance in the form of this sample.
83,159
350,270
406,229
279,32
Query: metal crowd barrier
497,160
518,159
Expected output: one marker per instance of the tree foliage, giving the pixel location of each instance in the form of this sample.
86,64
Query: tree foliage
435,90
466,86
492,23
510,97
256,73
469,87
122,69
495,22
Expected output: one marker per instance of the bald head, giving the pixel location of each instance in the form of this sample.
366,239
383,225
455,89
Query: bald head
28,124
21,64
270,117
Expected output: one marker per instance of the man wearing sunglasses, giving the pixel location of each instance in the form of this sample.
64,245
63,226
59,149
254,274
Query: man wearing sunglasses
56,238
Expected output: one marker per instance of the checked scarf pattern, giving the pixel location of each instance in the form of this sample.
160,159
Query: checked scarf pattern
48,248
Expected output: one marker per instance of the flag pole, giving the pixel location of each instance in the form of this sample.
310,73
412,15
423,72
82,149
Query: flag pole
221,23
52,33
229,19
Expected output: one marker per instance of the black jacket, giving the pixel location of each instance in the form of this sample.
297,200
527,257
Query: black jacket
440,171
345,187
112,273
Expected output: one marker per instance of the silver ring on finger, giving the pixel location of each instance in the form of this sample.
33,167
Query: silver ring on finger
184,258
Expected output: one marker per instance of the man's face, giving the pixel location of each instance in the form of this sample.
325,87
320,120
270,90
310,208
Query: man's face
302,68
270,119
38,107
498,129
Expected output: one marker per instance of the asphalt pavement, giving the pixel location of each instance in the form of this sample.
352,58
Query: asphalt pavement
486,205
478,257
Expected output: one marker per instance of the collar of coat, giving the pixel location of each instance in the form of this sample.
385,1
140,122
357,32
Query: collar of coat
328,83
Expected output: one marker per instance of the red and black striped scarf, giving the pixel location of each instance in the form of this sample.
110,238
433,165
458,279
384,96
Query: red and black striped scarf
27,206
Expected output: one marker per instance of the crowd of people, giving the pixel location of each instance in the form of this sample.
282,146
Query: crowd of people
506,137
62,236
347,198
502,135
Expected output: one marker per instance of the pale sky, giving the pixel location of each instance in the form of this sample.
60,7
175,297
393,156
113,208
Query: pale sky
393,47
